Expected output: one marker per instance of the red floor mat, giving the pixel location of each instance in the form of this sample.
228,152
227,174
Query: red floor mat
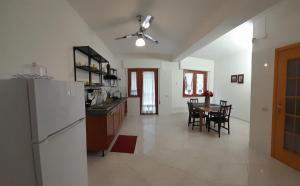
125,144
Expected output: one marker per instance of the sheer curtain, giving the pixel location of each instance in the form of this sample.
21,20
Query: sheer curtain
200,85
148,103
188,78
133,91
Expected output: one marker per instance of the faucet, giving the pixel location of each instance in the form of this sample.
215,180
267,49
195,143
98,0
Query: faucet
118,91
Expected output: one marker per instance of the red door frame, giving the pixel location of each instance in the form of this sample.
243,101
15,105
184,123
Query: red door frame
139,77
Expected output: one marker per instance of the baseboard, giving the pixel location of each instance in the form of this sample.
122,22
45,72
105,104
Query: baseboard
241,119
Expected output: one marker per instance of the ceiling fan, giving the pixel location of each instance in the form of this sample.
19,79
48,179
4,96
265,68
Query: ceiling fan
145,22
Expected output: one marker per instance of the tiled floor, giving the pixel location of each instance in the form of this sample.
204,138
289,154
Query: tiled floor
169,153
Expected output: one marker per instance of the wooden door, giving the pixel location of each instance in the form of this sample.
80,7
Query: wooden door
286,108
139,82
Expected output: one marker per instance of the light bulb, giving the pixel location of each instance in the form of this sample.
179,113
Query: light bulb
146,25
140,42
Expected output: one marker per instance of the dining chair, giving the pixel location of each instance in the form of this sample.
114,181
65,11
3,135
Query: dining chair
196,115
194,100
220,119
223,102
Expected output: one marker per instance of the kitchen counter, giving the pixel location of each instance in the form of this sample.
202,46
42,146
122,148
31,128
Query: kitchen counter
103,124
105,110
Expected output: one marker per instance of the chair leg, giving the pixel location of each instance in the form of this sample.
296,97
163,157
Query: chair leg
193,124
207,122
228,128
201,124
189,121
219,129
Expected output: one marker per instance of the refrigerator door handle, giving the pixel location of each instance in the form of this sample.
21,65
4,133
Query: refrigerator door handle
61,131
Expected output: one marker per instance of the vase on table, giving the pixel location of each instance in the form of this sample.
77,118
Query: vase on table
207,101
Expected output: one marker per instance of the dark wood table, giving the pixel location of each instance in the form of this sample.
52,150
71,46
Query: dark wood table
205,110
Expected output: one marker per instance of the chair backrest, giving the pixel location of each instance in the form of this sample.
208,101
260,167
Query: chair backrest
194,100
226,111
190,106
223,102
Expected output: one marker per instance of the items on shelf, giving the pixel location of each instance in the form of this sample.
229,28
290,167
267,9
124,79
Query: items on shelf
93,68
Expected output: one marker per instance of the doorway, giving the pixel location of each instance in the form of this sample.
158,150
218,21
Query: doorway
286,106
143,83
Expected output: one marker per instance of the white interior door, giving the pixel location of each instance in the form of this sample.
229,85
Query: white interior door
61,160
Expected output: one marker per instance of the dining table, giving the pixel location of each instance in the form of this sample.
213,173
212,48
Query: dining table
205,110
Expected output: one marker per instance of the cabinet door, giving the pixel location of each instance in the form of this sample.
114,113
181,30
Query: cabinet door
110,128
120,114
126,109
116,120
123,110
96,133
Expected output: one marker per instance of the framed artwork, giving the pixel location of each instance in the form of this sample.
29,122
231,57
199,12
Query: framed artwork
233,78
241,78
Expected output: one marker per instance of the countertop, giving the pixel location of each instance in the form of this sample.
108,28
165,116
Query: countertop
101,112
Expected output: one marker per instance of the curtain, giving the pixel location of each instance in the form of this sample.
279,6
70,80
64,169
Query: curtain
188,78
148,102
200,85
133,91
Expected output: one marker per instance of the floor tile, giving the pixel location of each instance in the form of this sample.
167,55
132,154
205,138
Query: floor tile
169,153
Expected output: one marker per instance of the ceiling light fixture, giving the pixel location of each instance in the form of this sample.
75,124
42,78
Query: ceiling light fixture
146,25
140,42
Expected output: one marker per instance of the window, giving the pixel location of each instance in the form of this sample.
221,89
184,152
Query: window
194,83
133,88
132,83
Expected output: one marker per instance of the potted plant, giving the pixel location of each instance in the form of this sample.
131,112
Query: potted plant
207,94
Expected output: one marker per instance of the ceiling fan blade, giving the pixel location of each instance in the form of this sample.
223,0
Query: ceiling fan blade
151,38
147,21
126,36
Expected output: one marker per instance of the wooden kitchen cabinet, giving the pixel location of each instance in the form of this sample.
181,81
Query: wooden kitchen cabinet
110,128
116,120
102,129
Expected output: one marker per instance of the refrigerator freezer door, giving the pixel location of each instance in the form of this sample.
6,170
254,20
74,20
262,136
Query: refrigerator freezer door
54,105
61,159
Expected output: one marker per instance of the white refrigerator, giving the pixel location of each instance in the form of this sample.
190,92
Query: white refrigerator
42,133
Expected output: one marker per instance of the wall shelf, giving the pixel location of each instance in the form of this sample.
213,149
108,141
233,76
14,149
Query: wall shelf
90,69
111,77
92,55
87,50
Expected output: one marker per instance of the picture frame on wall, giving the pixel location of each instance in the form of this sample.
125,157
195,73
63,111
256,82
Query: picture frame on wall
233,78
240,78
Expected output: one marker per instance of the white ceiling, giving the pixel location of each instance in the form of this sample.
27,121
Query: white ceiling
178,24
235,41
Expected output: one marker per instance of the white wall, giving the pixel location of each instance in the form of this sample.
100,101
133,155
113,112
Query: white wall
190,63
44,32
283,28
236,94
170,79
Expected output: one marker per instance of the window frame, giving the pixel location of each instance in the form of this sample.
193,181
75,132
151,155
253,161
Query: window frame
194,72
